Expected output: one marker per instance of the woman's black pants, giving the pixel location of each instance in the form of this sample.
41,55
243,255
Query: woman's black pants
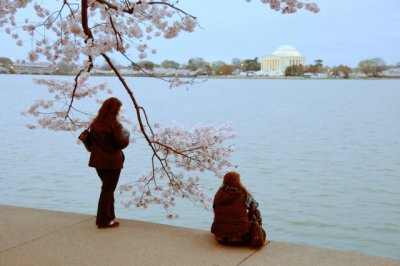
105,209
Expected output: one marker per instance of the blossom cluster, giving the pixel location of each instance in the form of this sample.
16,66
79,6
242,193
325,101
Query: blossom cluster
290,6
181,151
114,27
58,113
142,193
195,149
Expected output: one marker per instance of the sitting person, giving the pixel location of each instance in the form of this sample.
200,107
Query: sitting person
234,208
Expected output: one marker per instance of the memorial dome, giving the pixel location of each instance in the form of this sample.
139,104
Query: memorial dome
286,51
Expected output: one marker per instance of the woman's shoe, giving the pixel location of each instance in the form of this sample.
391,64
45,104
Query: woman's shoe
110,225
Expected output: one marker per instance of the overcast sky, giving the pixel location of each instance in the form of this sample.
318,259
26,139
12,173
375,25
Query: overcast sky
343,32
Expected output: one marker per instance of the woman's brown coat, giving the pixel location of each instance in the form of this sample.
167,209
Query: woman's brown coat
107,147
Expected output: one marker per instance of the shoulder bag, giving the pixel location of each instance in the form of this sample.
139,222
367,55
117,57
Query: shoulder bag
257,233
85,138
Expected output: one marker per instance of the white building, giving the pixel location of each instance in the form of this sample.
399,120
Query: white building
284,56
33,68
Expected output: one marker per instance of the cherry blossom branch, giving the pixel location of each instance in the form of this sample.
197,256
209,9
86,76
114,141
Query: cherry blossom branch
175,82
173,7
117,35
72,12
56,12
110,5
130,10
85,21
147,120
73,92
88,33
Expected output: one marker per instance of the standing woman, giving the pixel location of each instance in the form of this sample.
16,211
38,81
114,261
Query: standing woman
108,139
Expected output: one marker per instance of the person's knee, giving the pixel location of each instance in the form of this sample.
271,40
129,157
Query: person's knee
107,192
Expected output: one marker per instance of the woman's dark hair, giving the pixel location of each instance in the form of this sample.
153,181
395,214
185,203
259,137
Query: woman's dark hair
108,112
233,179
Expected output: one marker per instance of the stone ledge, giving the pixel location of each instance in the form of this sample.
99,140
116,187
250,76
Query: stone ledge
41,237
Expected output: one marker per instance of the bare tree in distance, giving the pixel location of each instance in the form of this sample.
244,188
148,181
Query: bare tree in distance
372,67
81,31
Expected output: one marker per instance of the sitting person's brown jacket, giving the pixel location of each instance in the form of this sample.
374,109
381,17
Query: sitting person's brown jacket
230,213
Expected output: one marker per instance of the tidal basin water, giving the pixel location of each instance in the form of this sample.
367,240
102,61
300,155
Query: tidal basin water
322,157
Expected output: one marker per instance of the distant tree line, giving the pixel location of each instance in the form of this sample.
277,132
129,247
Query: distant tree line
201,66
370,67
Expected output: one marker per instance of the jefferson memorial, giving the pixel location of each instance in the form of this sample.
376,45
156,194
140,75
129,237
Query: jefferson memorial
281,58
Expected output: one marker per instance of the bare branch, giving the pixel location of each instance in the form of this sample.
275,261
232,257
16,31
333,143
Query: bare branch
117,34
85,24
173,7
110,5
73,92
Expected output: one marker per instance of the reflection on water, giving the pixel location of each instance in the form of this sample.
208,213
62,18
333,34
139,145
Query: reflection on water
321,156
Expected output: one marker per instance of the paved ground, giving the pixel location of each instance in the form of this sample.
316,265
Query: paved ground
40,237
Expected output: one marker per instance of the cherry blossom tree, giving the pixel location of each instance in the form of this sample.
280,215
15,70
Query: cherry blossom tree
80,31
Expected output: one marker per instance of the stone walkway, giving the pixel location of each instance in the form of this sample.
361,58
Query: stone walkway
41,237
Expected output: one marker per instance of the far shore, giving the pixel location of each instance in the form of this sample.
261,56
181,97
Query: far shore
214,77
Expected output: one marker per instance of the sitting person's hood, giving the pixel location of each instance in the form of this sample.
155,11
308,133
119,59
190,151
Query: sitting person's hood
228,194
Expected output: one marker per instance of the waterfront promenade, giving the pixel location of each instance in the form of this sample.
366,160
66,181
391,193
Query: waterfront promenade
41,237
